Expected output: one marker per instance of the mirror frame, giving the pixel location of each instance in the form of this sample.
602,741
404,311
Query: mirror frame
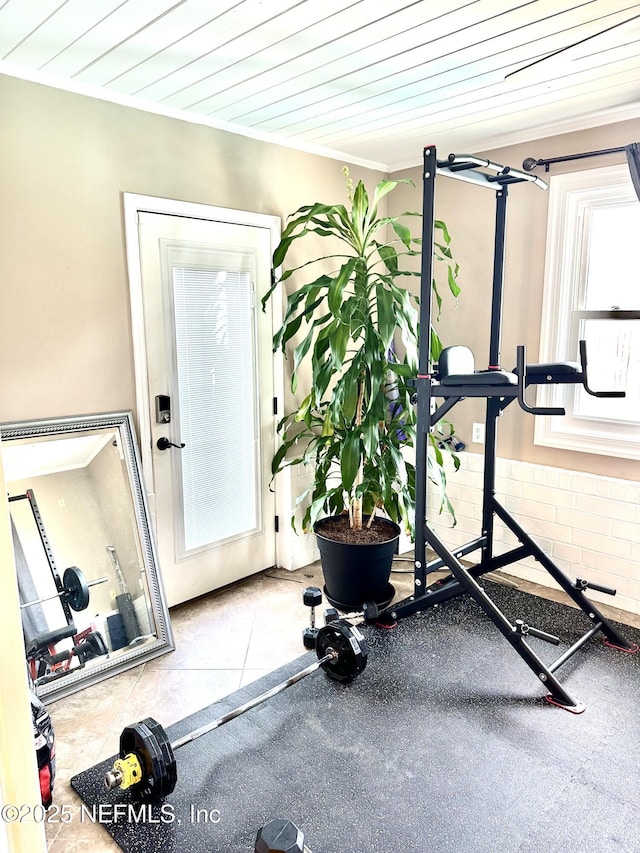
122,422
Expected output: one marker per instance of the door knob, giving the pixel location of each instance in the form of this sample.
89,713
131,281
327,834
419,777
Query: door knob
164,444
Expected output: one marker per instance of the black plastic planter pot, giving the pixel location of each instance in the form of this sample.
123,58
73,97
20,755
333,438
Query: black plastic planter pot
354,574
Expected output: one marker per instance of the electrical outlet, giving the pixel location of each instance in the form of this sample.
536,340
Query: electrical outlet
477,433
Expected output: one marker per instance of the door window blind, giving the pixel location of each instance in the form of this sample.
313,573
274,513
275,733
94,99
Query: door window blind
216,366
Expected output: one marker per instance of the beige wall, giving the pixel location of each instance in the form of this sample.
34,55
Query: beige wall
65,160
469,211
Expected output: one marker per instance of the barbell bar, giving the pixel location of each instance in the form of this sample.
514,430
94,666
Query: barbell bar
147,763
75,590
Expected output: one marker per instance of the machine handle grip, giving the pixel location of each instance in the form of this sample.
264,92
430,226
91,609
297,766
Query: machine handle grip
585,378
522,384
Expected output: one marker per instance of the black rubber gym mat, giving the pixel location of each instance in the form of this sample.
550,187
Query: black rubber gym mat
444,743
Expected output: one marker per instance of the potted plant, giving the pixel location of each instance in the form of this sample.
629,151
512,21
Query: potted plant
355,327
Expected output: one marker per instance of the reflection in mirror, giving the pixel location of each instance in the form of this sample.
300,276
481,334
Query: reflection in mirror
92,602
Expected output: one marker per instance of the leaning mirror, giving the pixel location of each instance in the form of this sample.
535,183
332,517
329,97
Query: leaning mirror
91,597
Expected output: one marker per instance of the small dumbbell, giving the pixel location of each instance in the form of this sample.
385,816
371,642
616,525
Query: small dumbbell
280,836
370,612
311,597
452,441
331,615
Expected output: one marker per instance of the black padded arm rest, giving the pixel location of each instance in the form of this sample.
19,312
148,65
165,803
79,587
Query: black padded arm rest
484,378
50,638
557,372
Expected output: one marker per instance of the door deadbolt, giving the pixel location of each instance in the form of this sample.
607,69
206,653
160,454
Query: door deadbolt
163,409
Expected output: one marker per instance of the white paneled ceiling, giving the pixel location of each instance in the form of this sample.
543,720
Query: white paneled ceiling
370,81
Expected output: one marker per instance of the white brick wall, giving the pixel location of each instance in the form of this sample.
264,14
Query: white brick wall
589,525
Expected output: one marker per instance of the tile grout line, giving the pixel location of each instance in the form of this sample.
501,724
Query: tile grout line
253,623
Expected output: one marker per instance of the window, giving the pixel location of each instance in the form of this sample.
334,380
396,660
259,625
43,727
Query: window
592,293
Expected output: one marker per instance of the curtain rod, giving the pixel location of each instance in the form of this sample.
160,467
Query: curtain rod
530,163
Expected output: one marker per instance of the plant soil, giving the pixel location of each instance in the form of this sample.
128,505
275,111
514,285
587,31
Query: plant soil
338,530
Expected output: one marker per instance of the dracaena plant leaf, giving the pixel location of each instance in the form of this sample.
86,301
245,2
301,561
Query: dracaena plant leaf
350,328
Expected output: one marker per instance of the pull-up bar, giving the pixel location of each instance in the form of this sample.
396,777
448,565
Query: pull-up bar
465,167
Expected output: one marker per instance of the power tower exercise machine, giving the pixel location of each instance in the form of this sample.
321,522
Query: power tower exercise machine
453,379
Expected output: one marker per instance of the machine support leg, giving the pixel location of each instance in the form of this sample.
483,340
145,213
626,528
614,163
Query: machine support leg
577,595
542,672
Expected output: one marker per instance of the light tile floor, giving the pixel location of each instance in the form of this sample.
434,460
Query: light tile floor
223,641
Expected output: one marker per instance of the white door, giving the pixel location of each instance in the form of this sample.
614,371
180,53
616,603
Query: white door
209,367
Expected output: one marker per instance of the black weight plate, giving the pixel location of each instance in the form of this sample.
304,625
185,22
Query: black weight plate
96,644
76,590
168,757
349,643
149,741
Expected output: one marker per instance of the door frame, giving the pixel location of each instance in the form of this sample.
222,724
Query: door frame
133,204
